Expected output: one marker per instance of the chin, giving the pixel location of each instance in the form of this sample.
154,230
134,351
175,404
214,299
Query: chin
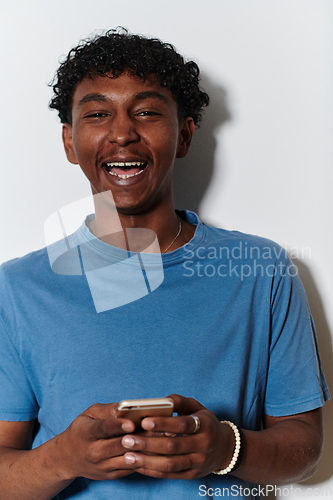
132,207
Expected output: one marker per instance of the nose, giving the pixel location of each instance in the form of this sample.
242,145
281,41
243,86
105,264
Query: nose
122,130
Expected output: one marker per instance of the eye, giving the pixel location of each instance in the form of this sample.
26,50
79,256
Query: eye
97,115
148,113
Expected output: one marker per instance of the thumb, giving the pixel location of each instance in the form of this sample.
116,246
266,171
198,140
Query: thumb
185,406
102,411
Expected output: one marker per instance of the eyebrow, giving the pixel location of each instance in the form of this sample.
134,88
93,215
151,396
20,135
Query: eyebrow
93,97
149,94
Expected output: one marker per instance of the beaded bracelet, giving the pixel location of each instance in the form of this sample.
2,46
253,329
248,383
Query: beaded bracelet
238,451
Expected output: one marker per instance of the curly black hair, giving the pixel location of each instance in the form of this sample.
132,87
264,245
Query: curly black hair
117,51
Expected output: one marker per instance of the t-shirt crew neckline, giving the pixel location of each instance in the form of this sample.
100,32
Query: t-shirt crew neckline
116,253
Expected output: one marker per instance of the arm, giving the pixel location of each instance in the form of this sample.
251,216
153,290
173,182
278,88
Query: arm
27,469
287,450
87,448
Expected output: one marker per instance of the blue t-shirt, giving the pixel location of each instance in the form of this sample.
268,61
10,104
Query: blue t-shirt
227,324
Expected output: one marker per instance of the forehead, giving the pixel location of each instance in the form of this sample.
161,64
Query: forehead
124,89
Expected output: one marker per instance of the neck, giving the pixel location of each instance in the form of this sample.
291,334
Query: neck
117,228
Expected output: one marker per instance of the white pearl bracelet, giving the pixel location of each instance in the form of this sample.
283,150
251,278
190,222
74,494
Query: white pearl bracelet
237,449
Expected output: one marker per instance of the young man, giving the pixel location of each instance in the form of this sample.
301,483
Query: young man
242,345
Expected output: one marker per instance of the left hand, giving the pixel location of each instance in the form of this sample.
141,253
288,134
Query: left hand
184,456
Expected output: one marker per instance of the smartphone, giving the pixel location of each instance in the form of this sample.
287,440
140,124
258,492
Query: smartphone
137,409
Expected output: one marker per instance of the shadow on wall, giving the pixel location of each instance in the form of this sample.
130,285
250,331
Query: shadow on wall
192,177
325,471
192,174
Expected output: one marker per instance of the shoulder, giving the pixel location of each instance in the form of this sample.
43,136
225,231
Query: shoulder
39,262
25,265
19,276
237,245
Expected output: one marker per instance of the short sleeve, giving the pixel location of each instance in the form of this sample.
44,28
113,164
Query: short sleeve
17,401
295,381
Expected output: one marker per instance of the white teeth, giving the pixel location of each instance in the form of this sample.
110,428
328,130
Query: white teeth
124,176
126,164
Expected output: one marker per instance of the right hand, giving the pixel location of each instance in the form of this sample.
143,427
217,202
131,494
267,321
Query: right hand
91,446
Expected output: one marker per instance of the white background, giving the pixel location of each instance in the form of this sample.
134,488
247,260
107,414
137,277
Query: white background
262,159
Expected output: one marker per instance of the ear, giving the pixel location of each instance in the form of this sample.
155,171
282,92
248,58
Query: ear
67,138
186,132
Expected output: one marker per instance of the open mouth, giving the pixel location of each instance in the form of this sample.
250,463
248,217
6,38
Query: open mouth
125,170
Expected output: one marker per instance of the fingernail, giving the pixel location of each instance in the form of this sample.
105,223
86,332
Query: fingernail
147,424
129,458
128,441
127,427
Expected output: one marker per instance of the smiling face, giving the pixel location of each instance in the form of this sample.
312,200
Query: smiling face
125,135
